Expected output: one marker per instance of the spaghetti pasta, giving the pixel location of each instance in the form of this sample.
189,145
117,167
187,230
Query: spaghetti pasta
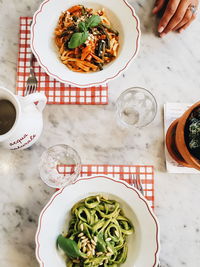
97,234
85,36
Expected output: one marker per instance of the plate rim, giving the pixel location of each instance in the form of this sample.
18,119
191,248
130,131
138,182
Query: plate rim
104,81
141,197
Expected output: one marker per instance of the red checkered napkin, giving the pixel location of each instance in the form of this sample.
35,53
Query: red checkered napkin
56,92
121,172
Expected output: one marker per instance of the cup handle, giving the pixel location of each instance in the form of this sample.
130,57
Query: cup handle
36,97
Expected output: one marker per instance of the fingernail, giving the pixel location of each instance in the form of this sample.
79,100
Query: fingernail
162,34
160,29
154,9
181,30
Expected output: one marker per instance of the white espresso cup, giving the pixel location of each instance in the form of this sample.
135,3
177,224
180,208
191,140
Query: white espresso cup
27,122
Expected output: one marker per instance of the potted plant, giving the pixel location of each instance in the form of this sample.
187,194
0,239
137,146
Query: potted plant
183,138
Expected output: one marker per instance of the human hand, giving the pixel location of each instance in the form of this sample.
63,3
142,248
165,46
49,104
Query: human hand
177,16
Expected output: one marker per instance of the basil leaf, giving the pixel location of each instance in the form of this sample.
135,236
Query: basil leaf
101,244
93,21
82,26
69,246
77,39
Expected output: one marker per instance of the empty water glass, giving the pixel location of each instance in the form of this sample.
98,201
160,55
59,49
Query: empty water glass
60,165
136,107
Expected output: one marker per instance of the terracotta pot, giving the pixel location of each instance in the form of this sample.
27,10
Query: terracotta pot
175,141
180,138
171,144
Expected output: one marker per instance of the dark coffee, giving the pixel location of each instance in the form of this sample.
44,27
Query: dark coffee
7,116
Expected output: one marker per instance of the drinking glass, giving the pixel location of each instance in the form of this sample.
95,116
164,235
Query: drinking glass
136,107
59,166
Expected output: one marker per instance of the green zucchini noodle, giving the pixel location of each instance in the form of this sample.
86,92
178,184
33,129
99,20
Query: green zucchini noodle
100,229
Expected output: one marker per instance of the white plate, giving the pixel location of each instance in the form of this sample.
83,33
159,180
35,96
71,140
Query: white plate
143,245
122,17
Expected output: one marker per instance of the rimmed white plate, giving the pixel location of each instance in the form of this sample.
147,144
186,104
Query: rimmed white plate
122,17
143,245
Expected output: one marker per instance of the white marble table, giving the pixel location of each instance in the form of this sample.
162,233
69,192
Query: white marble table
170,67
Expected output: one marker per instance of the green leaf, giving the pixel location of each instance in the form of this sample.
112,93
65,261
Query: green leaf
69,246
82,26
93,21
77,39
101,244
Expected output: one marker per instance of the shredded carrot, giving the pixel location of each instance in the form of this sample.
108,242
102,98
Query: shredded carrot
85,52
74,9
77,13
102,37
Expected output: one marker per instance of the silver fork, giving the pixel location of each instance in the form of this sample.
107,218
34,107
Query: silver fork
31,83
137,183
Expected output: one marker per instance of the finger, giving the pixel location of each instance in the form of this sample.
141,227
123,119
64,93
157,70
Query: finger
169,12
186,19
158,6
187,24
177,18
